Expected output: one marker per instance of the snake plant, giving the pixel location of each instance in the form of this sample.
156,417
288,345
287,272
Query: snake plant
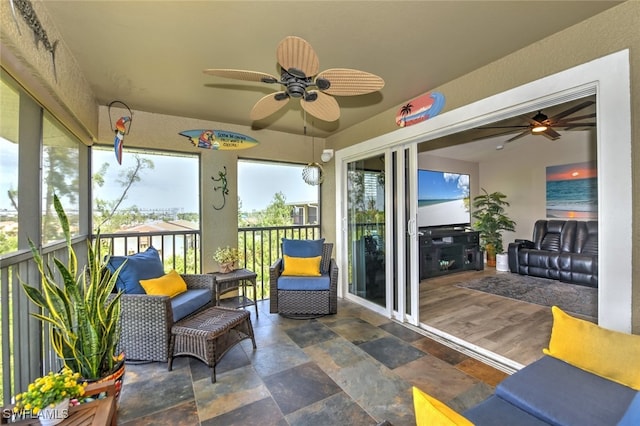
84,319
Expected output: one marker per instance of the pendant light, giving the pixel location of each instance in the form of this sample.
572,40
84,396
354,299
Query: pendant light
313,173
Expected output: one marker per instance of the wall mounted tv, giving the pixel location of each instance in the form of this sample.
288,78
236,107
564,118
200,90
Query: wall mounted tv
443,199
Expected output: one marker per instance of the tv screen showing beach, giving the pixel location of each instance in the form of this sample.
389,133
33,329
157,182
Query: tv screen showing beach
443,199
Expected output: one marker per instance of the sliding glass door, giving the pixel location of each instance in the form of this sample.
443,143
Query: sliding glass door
366,209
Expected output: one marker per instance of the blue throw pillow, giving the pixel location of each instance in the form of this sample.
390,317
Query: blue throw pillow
140,266
302,248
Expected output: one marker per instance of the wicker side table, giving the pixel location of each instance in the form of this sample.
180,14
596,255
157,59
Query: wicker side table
209,334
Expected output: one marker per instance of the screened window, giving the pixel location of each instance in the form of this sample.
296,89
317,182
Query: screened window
60,176
9,104
274,194
150,190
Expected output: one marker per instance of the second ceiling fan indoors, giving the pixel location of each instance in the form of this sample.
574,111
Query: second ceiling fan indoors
299,64
543,125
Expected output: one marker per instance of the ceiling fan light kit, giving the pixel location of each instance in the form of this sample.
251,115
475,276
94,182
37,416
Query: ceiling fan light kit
299,64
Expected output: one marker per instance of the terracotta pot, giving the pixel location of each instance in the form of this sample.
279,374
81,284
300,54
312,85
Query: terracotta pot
117,374
227,267
491,255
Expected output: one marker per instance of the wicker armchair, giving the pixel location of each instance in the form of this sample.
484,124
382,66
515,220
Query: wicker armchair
305,303
146,321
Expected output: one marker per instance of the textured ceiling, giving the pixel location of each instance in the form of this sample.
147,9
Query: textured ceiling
151,54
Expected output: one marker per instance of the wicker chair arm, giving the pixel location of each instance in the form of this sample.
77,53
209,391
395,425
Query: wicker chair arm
274,273
145,326
195,281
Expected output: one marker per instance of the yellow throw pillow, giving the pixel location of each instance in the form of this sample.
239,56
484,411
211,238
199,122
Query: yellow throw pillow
431,412
302,266
607,353
170,285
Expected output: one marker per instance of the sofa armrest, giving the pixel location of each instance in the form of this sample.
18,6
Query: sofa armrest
144,317
197,281
513,250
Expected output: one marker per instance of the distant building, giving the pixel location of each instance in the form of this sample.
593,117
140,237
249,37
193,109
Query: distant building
167,245
304,213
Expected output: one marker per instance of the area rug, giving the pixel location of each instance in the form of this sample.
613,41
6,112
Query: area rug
572,298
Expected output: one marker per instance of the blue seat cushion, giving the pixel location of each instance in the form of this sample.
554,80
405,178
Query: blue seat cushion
140,266
560,393
302,248
188,302
632,416
495,411
322,282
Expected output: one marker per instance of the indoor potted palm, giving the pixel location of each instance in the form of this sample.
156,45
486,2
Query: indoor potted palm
83,315
491,220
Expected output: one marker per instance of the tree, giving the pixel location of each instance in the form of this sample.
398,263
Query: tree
277,212
104,210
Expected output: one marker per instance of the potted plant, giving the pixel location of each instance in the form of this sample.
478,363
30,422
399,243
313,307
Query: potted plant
227,258
491,220
48,397
83,315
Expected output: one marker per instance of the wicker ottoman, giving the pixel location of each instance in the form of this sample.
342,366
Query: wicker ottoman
209,334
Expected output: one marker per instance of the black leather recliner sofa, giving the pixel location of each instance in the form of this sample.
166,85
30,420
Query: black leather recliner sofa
565,250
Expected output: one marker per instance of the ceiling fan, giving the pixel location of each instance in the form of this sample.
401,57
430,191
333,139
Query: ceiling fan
299,64
543,125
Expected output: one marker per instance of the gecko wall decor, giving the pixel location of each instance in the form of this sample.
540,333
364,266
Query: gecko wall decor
224,190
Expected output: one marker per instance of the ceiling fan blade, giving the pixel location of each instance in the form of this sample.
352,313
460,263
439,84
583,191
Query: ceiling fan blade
242,75
577,125
295,53
269,105
502,127
494,135
348,82
325,107
551,134
568,119
571,110
521,135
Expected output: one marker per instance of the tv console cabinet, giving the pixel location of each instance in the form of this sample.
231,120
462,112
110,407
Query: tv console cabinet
447,250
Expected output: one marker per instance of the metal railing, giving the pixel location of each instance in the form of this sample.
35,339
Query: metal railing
179,250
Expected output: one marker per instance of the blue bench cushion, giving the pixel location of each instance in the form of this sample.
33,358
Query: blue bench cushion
559,393
304,283
494,411
632,416
188,302
139,266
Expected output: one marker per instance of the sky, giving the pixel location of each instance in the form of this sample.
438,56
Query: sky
433,185
258,182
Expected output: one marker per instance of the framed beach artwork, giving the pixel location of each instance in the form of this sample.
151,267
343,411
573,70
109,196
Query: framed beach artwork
572,191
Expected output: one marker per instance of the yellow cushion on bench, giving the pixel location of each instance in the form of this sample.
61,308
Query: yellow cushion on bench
607,353
170,285
431,412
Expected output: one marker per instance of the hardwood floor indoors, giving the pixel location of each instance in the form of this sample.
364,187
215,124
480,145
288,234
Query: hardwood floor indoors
510,328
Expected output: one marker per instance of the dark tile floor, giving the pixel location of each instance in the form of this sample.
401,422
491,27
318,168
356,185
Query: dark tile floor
353,368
